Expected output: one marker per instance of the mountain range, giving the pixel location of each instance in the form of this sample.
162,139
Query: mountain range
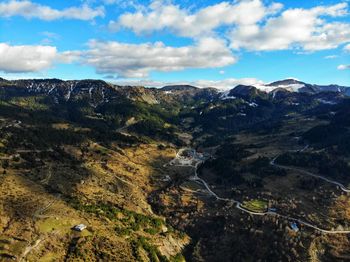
102,91
93,171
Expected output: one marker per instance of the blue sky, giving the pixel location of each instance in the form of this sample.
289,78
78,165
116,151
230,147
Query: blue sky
208,43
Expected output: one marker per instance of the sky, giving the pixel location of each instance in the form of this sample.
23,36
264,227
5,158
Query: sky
206,43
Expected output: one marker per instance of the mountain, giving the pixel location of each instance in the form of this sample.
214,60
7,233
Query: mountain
58,87
347,92
179,88
280,93
247,92
95,92
102,90
330,88
294,85
286,82
291,85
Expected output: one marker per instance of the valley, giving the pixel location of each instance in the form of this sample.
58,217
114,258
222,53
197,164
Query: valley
173,174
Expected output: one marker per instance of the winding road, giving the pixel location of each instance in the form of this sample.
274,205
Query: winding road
238,204
341,186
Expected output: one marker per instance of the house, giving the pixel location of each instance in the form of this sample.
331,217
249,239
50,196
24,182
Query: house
167,178
294,227
79,227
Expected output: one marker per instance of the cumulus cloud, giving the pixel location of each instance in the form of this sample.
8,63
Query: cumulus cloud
119,59
24,58
250,24
295,28
138,60
343,67
161,15
30,10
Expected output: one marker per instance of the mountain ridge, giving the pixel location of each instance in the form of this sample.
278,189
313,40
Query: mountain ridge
292,85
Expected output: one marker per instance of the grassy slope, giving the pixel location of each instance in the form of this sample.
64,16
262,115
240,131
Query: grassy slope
78,176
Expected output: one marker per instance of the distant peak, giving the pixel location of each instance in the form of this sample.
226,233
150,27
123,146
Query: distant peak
246,91
178,88
245,87
288,81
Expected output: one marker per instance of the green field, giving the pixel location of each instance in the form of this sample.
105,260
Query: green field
255,205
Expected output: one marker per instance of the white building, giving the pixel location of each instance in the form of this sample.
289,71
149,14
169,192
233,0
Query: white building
79,227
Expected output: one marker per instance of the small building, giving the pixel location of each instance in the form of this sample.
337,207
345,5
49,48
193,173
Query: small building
167,178
272,209
79,227
294,227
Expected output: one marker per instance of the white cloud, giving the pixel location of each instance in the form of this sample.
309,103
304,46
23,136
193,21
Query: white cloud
15,59
343,67
225,84
229,83
124,4
252,24
295,28
139,82
17,76
138,60
347,48
30,10
69,57
331,57
119,59
49,37
161,15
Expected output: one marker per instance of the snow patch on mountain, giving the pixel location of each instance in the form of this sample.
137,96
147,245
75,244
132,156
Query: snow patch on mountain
252,104
291,87
326,102
225,95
